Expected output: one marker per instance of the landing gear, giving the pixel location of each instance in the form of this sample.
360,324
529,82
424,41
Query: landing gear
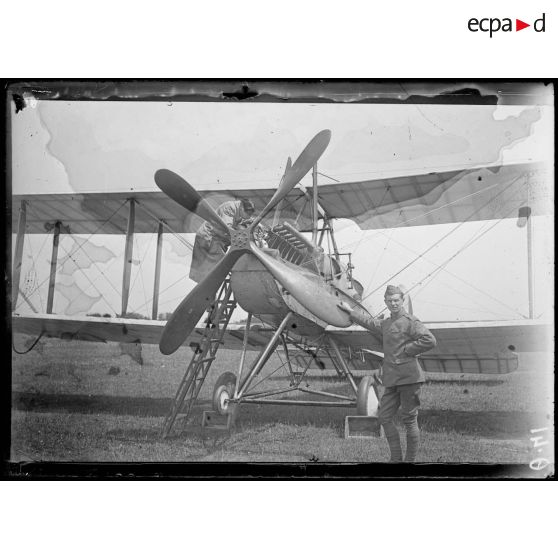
367,398
223,391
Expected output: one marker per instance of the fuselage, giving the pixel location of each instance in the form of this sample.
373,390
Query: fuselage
258,292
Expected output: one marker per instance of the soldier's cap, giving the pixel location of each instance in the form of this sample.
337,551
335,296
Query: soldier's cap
393,290
248,206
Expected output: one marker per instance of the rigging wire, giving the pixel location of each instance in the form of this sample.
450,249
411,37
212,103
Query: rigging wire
389,239
388,187
34,266
101,272
467,245
484,229
266,377
182,240
455,276
380,260
139,274
166,226
448,204
92,283
330,177
80,246
484,308
438,241
412,262
185,276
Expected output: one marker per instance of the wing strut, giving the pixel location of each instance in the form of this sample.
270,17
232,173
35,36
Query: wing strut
315,203
53,264
18,252
157,280
128,255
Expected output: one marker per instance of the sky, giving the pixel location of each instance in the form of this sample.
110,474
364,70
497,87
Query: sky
65,147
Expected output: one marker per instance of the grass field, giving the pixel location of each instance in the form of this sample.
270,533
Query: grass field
66,406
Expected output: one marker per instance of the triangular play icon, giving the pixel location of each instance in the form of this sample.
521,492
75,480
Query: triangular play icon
519,25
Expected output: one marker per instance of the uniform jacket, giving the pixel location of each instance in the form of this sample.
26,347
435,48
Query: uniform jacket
403,339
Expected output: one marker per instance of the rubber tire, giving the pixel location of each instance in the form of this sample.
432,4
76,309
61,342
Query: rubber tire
224,387
367,403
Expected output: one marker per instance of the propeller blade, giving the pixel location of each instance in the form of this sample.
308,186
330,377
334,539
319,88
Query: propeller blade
303,290
293,174
176,188
187,315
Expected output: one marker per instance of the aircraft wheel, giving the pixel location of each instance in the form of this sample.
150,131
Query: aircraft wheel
367,398
222,392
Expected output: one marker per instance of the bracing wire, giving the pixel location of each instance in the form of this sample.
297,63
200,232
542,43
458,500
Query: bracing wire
388,240
438,241
80,246
464,247
412,261
484,308
165,225
91,281
36,289
448,204
455,276
467,245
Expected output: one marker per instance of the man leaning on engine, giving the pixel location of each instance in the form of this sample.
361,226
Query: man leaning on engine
404,337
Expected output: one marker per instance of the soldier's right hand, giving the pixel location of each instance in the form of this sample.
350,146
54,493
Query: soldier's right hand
345,307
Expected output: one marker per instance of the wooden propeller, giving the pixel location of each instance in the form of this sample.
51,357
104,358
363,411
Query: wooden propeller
190,310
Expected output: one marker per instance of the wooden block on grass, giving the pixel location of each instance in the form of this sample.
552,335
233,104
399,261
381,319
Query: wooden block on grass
214,421
362,427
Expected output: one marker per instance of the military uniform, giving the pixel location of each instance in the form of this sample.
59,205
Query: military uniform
404,338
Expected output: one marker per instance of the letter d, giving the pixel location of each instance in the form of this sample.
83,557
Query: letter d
535,25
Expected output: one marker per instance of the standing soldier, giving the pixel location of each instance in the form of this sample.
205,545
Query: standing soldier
404,337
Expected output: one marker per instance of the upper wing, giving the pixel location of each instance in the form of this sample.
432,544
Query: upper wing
440,197
410,200
107,212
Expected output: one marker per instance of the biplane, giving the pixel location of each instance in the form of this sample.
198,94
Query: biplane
285,270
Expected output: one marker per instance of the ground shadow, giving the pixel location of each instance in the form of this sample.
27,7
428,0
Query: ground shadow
88,404
487,424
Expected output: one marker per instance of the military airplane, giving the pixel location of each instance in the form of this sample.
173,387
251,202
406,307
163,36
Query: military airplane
278,270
